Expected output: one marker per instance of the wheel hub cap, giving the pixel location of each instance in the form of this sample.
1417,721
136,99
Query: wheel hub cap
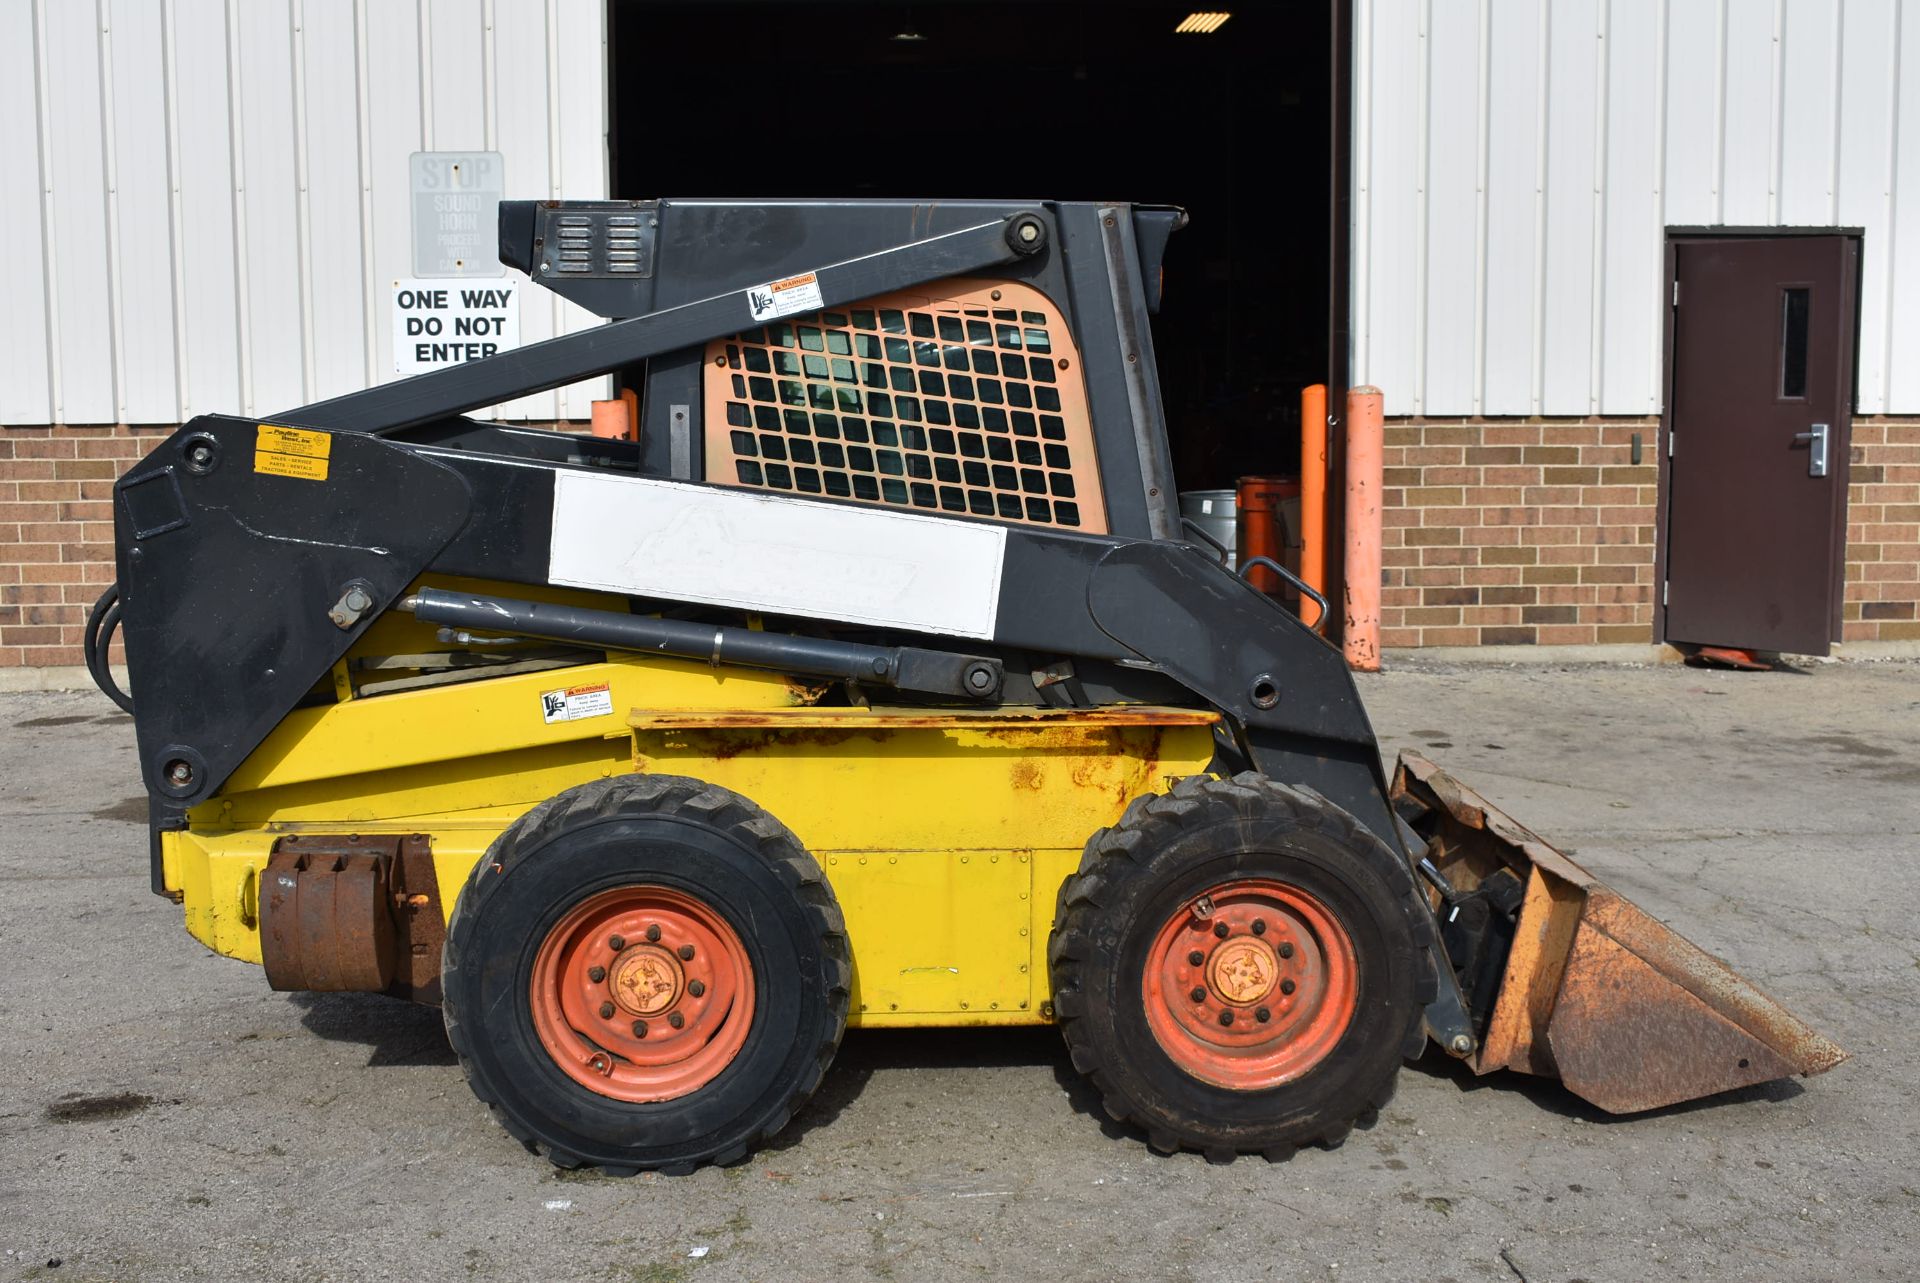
1250,985
642,993
647,980
1243,971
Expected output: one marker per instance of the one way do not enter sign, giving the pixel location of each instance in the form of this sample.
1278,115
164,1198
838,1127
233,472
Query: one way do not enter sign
442,323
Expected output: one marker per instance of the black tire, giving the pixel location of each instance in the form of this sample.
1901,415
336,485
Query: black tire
654,830
1165,852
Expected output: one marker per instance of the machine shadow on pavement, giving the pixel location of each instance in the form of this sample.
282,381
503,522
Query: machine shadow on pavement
1551,1097
395,1033
400,1034
403,1034
865,1052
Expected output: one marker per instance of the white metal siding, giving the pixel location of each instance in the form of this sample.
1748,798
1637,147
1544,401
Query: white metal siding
206,202
1516,164
24,322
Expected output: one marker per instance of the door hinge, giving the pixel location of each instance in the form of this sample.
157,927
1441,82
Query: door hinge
1670,443
1666,587
1676,291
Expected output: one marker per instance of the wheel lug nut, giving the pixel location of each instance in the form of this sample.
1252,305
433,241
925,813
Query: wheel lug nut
1259,926
1195,958
1263,1015
1220,929
596,974
676,1020
686,953
1286,986
639,1029
1198,994
1286,949
617,943
653,932
1226,1017
606,1011
696,988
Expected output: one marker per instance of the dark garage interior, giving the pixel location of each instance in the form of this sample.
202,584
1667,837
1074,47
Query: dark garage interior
818,98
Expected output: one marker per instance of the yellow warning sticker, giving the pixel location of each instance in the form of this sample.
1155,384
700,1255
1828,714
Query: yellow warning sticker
576,702
292,452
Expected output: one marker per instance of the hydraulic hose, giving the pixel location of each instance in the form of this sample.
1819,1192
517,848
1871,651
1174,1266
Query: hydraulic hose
102,621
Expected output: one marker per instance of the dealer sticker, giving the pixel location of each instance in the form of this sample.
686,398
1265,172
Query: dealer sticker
292,452
576,702
785,297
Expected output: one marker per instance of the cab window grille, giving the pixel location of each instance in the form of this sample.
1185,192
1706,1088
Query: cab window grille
964,397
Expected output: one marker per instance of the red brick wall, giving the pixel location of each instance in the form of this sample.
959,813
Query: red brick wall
56,533
1883,533
1541,532
1504,533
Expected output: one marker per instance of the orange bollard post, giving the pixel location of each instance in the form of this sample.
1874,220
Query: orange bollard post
1365,440
1313,487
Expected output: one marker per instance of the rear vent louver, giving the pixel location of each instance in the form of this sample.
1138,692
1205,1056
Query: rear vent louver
963,398
597,239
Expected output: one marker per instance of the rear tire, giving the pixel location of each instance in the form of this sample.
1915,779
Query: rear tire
690,1042
1311,977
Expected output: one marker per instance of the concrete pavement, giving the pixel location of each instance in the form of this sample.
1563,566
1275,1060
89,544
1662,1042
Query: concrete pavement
163,1115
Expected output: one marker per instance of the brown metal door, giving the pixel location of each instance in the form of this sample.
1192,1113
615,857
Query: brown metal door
1762,368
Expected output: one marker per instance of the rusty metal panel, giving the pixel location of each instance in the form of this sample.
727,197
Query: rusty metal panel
1627,1013
420,923
858,780
324,918
1516,1037
1627,1037
352,913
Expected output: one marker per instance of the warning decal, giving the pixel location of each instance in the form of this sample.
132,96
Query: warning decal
785,297
292,452
576,702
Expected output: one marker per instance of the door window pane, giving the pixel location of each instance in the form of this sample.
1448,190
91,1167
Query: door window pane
1793,341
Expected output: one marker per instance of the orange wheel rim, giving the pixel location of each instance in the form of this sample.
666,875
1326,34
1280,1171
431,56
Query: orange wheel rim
1250,985
642,994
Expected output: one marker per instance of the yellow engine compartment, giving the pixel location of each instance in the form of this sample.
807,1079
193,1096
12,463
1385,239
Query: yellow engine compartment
945,833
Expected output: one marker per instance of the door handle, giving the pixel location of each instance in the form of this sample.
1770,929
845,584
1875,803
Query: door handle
1816,439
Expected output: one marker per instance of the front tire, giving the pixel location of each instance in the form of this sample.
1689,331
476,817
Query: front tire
645,973
1239,966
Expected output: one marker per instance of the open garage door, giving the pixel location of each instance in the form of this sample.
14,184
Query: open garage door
1056,100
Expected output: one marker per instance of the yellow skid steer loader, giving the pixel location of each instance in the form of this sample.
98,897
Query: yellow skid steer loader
876,683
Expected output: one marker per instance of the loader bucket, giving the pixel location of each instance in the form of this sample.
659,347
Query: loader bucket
1595,993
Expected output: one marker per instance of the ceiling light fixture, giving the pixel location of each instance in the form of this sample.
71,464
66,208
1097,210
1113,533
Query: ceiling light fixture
1201,24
